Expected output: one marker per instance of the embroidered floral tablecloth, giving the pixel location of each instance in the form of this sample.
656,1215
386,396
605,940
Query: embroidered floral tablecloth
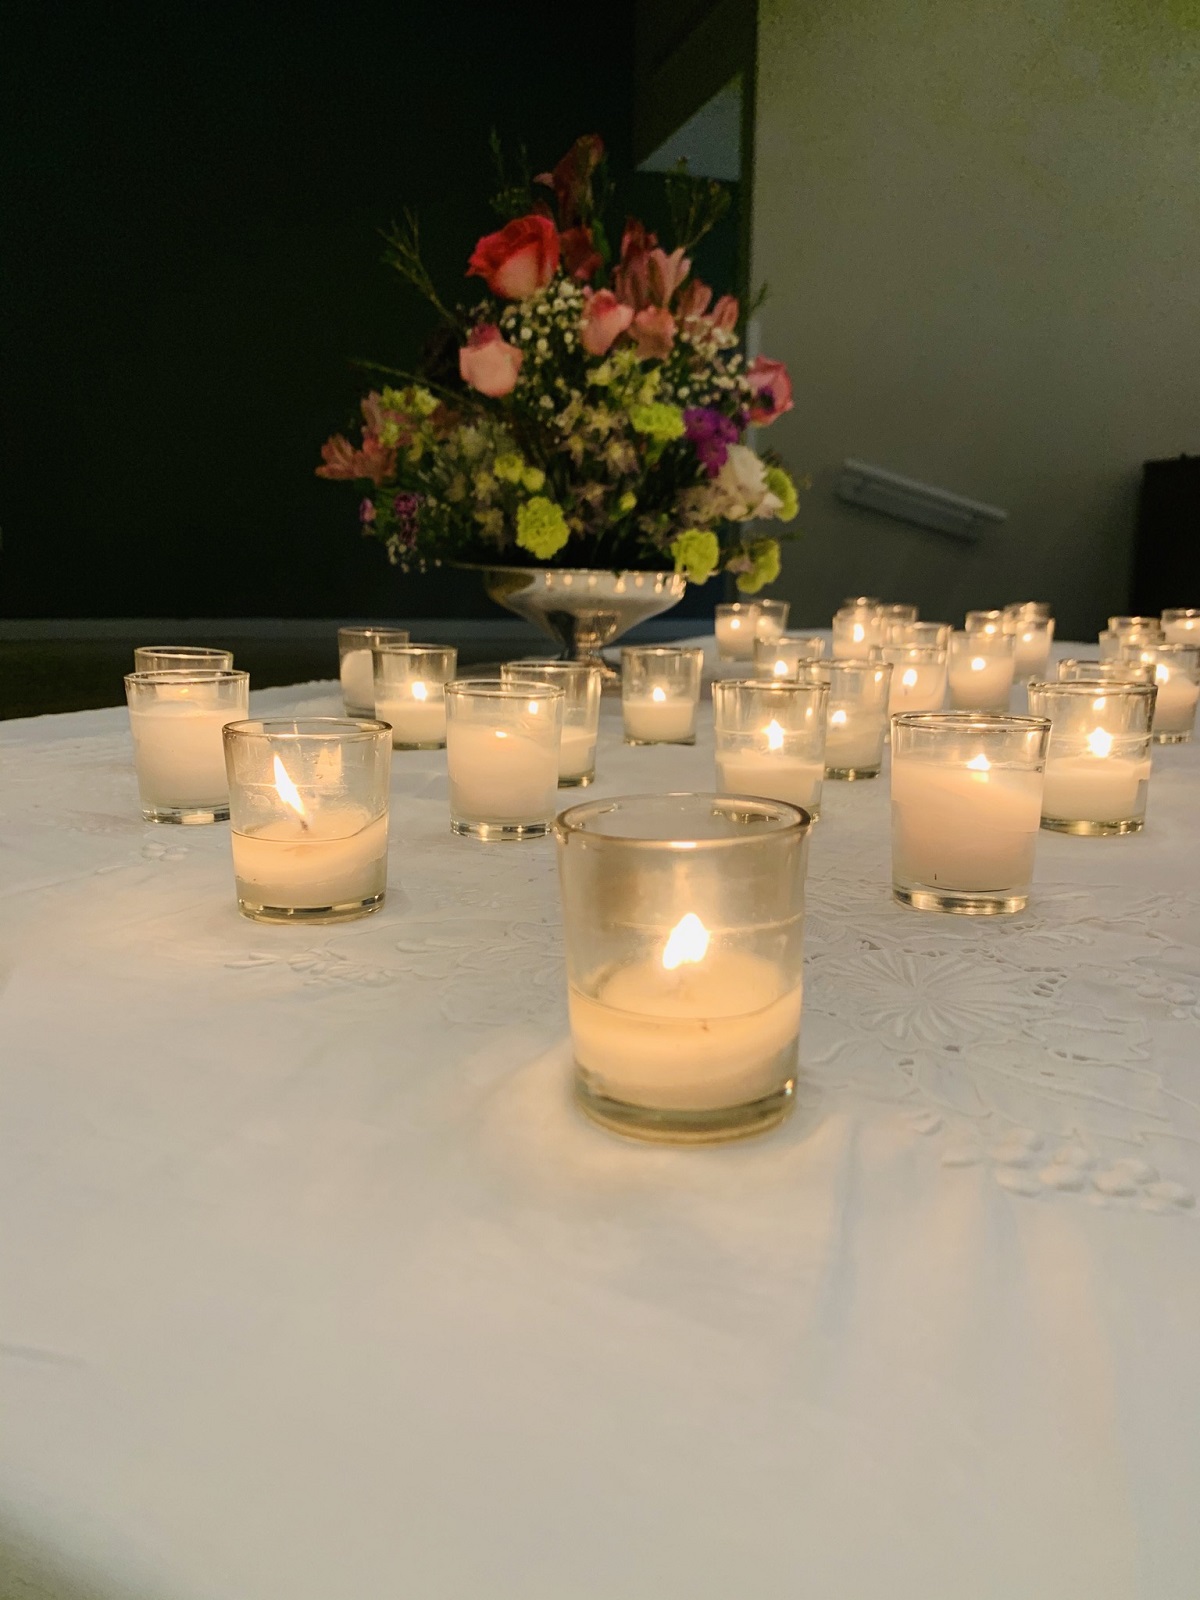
314,1283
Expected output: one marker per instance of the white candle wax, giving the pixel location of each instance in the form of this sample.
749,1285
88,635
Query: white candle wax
1175,704
1185,631
500,776
1089,788
416,717
656,720
735,638
965,830
721,1032
358,680
980,682
577,753
851,639
916,687
339,859
856,740
771,774
179,755
1032,652
770,630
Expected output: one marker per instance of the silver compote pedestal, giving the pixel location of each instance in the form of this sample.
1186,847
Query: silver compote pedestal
581,608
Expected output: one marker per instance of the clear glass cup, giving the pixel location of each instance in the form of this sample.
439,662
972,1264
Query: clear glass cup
356,666
893,614
1072,667
1176,669
1136,628
1028,608
736,628
1181,625
861,602
176,719
502,745
181,658
1098,762
1032,638
918,681
988,622
772,620
684,923
660,690
770,740
966,809
856,719
581,687
922,633
410,685
309,816
857,630
781,658
980,670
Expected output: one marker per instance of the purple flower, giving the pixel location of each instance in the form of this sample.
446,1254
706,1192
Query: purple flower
405,509
366,512
711,434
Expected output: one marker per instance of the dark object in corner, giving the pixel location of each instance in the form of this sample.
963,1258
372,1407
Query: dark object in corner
1166,562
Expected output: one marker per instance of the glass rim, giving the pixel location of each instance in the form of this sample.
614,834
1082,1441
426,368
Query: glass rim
182,649
1176,612
923,651
775,685
152,675
532,662
411,646
679,651
736,605
972,721
380,629
500,689
1162,645
1088,686
782,820
842,664
1000,638
275,730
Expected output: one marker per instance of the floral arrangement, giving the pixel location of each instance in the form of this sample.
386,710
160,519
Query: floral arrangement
590,411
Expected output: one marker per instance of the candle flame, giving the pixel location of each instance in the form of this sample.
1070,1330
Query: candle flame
909,677
420,691
287,790
658,695
735,622
687,941
774,735
979,763
1162,673
1100,743
860,633
837,718
781,669
978,664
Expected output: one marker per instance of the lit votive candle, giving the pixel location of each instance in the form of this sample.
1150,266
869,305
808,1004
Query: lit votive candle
356,665
857,630
1176,669
966,808
502,746
684,921
892,615
770,740
309,815
581,686
922,633
1033,631
736,628
1072,667
660,690
1181,626
918,681
176,719
772,620
1098,762
981,670
856,717
410,685
780,658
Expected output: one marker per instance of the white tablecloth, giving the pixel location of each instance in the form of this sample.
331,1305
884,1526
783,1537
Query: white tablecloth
315,1286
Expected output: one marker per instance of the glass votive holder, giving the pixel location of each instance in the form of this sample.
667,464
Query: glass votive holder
1073,667
918,681
176,719
893,614
770,740
1032,637
980,670
856,630
410,685
736,627
308,805
924,633
966,808
1028,608
1181,625
1176,669
684,924
772,620
502,742
660,690
1137,628
581,686
181,658
988,622
861,602
1098,761
356,666
782,658
856,715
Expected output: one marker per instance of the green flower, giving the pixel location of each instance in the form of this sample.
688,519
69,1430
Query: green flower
509,467
541,527
658,421
532,479
782,487
415,400
627,502
697,553
764,554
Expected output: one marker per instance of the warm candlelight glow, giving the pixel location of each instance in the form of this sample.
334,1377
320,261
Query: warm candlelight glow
287,790
774,736
420,691
979,763
978,664
687,941
860,633
659,694
735,623
781,669
1100,743
837,718
908,677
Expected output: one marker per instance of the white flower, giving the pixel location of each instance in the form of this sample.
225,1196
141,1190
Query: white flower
742,482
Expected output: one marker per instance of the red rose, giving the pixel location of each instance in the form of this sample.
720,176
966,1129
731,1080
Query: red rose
488,362
772,388
519,260
604,319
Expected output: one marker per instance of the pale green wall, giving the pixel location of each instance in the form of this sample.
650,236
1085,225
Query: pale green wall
981,229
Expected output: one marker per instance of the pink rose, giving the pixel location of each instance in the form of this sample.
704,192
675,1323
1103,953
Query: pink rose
519,260
488,362
772,388
604,319
654,333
